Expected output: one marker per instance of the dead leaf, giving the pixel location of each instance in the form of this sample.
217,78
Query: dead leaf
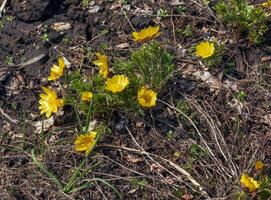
204,76
176,3
133,191
156,168
267,119
239,106
92,125
47,123
229,84
94,9
266,58
187,197
66,62
116,5
133,159
123,45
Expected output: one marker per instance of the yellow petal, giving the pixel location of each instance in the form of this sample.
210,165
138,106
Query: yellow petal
205,49
146,34
117,83
86,96
249,183
61,62
146,97
49,103
259,165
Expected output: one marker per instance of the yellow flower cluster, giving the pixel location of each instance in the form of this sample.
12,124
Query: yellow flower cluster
102,63
117,83
259,165
146,34
57,70
49,103
249,183
205,49
85,142
266,4
146,97
86,96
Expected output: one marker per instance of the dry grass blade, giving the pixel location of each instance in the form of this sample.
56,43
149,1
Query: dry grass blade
219,139
224,171
176,167
2,7
8,117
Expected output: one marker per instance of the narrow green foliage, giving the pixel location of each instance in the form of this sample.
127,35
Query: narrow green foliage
242,18
46,171
110,186
162,12
182,9
183,106
187,31
241,96
150,65
85,3
2,24
139,183
67,41
265,188
196,151
9,60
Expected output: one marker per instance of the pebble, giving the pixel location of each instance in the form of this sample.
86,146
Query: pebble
94,9
61,26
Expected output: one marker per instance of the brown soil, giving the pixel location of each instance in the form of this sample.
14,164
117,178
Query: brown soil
119,159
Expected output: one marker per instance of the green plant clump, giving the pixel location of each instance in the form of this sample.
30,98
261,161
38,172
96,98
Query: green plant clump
243,18
150,65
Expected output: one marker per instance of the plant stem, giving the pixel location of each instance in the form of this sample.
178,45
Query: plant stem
72,180
88,117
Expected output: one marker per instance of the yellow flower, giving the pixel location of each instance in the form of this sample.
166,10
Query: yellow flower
102,63
86,96
266,4
85,142
146,34
117,83
146,97
57,70
259,165
49,103
249,183
205,49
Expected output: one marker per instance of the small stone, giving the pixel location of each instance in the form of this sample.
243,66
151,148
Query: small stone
123,46
94,9
61,26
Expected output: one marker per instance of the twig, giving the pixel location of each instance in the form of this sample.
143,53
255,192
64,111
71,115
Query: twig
8,117
193,124
216,132
22,65
176,167
167,16
201,137
173,28
2,7
125,15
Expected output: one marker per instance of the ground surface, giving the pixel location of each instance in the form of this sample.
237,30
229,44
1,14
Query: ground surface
29,35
